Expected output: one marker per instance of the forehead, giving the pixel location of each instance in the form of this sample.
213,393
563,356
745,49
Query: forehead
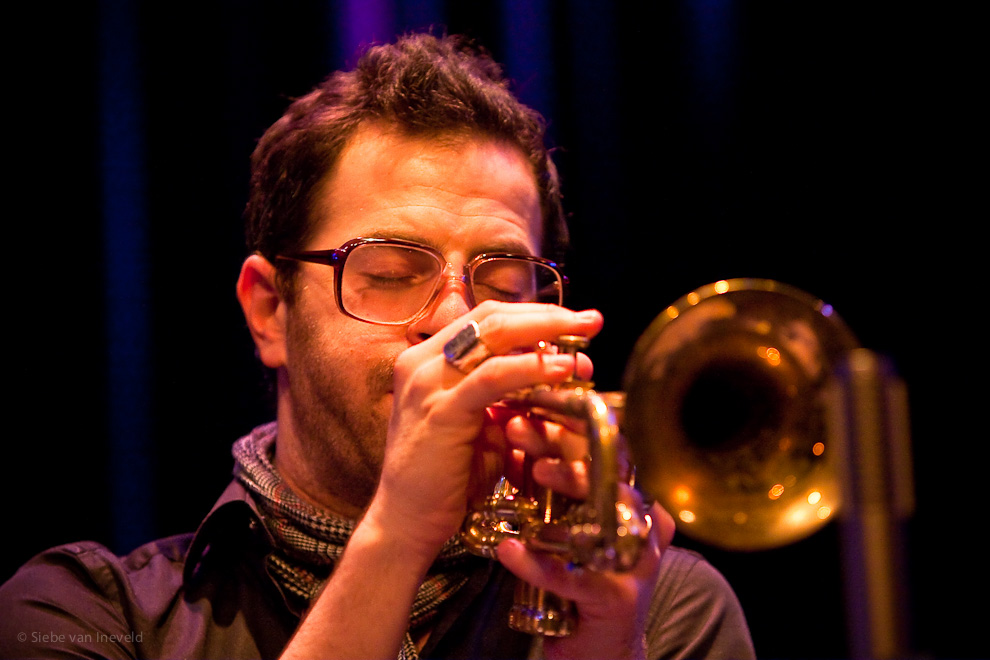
433,189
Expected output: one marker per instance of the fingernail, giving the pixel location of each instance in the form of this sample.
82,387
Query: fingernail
510,545
559,364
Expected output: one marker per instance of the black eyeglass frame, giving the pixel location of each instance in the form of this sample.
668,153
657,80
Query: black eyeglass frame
336,259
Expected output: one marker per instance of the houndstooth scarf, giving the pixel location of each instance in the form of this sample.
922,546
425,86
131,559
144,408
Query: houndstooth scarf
309,541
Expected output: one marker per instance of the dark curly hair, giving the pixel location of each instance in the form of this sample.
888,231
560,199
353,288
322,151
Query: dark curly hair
422,84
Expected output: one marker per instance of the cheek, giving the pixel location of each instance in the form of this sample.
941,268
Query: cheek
339,351
347,361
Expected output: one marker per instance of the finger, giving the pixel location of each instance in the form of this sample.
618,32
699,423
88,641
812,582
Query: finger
499,376
522,325
568,478
506,327
541,437
532,323
640,522
502,328
663,527
546,571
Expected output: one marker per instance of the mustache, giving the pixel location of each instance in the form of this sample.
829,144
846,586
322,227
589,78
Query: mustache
381,374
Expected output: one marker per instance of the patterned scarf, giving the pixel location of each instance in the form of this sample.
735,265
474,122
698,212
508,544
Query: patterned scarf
309,541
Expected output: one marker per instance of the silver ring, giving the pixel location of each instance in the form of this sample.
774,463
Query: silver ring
466,350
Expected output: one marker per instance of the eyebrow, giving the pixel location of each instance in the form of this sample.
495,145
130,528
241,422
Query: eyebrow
510,247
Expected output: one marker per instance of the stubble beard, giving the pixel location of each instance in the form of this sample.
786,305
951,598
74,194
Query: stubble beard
341,422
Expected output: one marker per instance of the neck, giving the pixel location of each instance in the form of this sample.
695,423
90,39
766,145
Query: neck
306,485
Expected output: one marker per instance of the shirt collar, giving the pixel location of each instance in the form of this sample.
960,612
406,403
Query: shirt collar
234,515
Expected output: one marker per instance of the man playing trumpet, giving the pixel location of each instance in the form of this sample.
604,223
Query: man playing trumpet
404,223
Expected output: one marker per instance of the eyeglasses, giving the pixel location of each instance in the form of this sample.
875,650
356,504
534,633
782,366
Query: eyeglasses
392,281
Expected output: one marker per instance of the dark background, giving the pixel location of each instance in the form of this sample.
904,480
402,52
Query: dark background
832,146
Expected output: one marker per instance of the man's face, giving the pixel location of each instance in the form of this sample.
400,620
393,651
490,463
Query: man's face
460,196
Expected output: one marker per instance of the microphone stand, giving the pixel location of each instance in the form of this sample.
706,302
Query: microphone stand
869,428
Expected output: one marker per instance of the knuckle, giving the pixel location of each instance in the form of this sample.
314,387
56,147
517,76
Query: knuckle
487,307
494,319
405,363
487,376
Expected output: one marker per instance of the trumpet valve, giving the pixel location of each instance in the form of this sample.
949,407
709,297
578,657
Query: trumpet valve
495,519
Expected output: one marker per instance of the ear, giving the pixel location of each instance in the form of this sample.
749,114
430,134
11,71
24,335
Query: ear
264,309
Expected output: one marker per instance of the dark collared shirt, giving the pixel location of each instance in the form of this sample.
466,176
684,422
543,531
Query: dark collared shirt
208,595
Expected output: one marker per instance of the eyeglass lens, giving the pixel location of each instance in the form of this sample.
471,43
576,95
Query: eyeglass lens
390,283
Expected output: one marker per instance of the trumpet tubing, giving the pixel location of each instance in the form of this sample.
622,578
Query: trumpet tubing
600,532
724,411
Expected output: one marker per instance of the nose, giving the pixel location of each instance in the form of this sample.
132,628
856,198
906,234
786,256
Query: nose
452,302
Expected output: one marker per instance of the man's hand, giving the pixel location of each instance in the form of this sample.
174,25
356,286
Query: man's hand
439,413
612,607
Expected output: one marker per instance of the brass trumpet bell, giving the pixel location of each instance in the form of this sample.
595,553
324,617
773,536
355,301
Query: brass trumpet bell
726,412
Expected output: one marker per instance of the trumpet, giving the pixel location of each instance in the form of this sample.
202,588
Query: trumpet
600,532
724,408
